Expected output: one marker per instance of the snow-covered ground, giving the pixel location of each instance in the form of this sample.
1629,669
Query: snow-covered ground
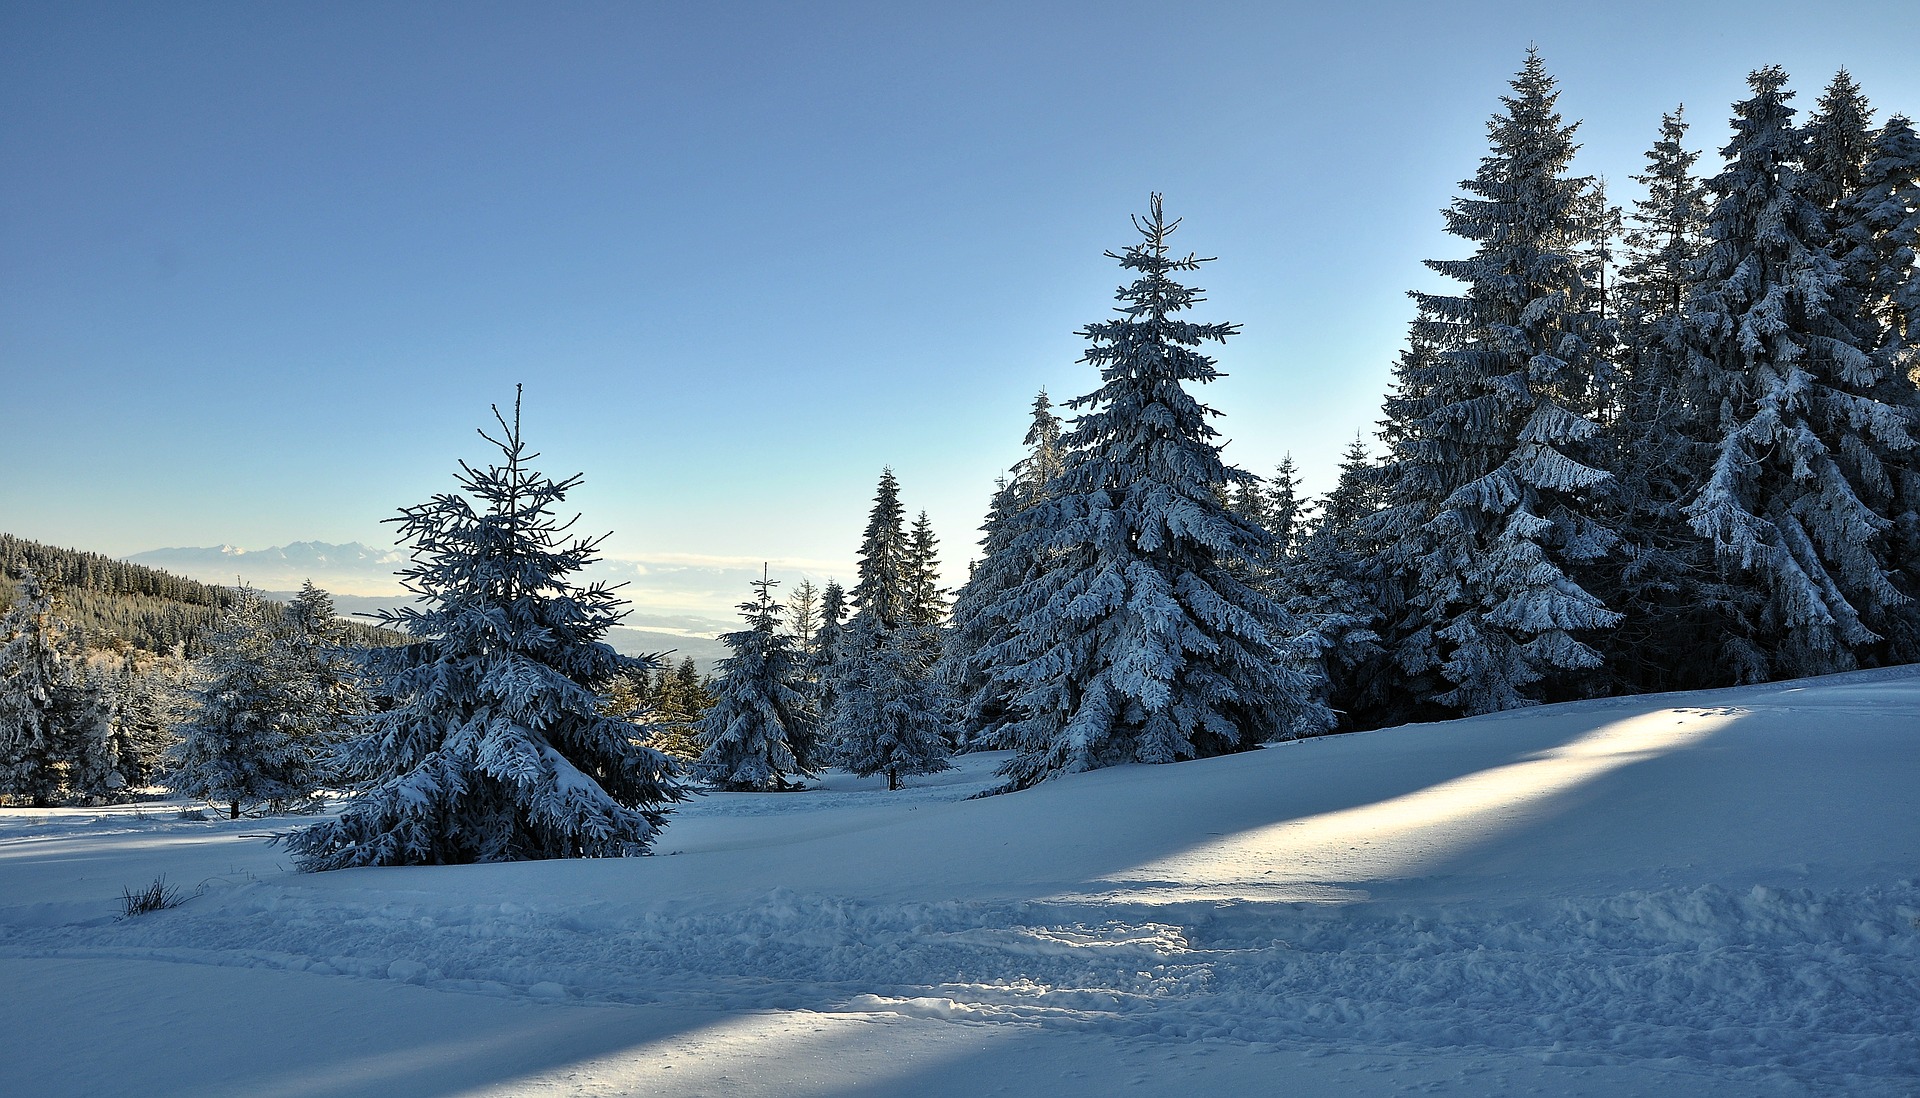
1708,893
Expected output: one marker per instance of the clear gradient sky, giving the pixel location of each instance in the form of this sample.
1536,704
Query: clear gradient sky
264,266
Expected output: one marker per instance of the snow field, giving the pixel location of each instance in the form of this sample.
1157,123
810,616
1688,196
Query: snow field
1710,893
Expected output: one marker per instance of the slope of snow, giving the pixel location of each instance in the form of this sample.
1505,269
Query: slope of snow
1702,893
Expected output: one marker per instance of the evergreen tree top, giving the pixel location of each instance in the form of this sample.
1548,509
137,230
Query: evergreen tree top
762,612
1520,204
882,590
1145,434
833,604
1838,137
1146,306
1664,234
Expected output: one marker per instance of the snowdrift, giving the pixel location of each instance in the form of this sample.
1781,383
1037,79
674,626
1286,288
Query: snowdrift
1710,892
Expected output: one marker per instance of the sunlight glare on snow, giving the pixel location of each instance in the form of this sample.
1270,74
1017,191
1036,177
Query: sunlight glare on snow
1321,859
790,1054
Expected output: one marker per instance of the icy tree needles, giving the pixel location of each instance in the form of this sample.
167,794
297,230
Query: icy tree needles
494,747
1135,641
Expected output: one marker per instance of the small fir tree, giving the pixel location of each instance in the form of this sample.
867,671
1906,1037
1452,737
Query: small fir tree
977,621
1282,511
976,625
1878,236
826,647
1325,588
926,600
762,723
325,671
154,701
1045,455
889,711
1837,142
249,744
890,714
804,607
496,747
55,710
671,705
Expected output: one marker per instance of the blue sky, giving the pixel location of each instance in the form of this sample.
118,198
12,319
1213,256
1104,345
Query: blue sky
263,267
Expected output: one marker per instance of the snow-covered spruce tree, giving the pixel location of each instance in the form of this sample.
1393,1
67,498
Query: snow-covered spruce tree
1045,455
825,649
926,599
1282,512
804,606
1878,237
326,674
1680,630
762,723
55,711
1408,486
1135,642
885,559
889,712
153,702
495,748
1500,470
31,763
1802,439
674,700
975,624
249,744
1837,141
1324,587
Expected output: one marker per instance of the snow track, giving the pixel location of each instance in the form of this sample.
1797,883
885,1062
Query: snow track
1767,981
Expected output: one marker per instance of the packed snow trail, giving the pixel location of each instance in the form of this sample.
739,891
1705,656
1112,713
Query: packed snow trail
1719,888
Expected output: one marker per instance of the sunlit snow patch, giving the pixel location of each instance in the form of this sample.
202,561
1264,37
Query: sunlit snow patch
1314,859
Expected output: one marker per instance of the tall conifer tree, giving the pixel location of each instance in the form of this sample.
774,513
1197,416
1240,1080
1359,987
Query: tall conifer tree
1680,628
1792,410
1504,458
1135,642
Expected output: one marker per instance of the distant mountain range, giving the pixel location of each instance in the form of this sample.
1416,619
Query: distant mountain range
681,604
706,651
350,569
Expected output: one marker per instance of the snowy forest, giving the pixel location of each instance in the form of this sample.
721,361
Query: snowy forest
1664,445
